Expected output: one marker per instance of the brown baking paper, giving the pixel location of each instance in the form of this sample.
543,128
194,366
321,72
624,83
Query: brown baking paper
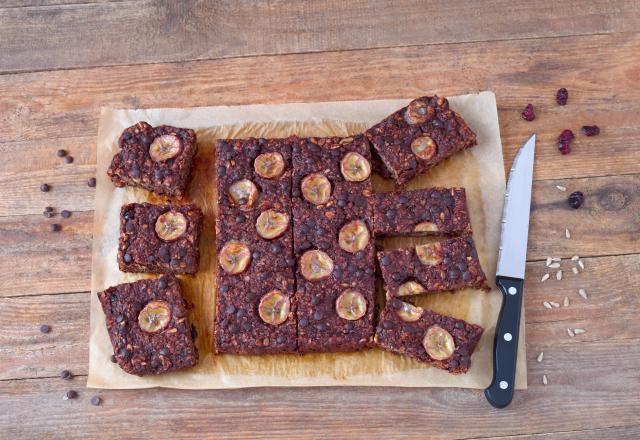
480,170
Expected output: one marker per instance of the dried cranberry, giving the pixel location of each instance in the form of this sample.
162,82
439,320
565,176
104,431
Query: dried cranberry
575,199
590,130
528,114
564,141
561,96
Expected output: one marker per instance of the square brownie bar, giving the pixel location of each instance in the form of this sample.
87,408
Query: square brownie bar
434,267
148,326
332,240
419,136
430,211
426,336
255,310
159,238
158,159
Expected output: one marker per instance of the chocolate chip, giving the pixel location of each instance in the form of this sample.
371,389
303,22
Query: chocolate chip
290,262
233,328
158,174
281,339
66,375
162,283
55,227
96,401
315,301
223,288
396,277
342,203
385,260
397,304
119,318
453,274
128,215
91,183
71,394
135,171
129,227
48,214
255,255
127,258
275,248
246,326
317,315
66,214
194,332
303,322
453,364
48,209
230,309
387,325
164,351
240,218
45,188
61,153
113,358
45,328
68,159
466,276
390,214
222,171
459,325
464,361
319,326
240,314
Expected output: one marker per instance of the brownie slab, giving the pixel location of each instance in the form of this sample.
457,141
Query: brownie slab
426,336
148,326
158,159
255,310
430,211
419,136
335,312
435,267
159,238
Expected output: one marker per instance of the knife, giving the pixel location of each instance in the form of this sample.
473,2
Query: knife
510,274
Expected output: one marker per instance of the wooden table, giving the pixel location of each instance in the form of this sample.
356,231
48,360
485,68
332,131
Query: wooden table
61,60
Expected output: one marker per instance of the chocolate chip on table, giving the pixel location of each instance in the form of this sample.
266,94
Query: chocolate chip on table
96,400
61,153
590,130
528,114
91,183
45,187
48,213
575,199
562,95
71,394
66,375
45,328
68,159
66,214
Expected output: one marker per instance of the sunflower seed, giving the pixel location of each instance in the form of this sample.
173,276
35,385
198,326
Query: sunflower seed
548,261
544,379
574,270
582,293
578,331
540,356
559,275
575,258
554,265
554,304
556,259
546,304
545,277
567,233
566,301
561,188
581,264
570,332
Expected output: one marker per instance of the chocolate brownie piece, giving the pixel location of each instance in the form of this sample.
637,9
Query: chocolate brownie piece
426,336
430,211
158,159
159,238
333,243
434,267
255,311
148,326
419,136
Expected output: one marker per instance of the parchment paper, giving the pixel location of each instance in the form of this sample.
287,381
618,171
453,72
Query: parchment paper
480,170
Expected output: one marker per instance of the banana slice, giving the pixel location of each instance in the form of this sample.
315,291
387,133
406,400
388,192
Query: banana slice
316,188
418,112
234,257
354,167
351,305
409,312
439,343
424,147
426,227
171,225
274,307
243,194
430,254
269,165
411,288
164,147
315,265
154,316
354,236
272,224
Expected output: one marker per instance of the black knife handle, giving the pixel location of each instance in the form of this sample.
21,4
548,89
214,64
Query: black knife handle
505,348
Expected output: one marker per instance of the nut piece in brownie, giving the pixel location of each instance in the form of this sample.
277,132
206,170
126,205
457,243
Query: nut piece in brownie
255,310
426,336
419,136
158,159
148,326
333,243
159,238
434,267
430,211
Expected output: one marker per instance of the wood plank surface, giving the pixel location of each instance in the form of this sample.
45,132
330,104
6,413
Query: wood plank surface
168,30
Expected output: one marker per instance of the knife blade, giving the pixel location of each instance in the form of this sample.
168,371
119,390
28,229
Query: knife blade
510,274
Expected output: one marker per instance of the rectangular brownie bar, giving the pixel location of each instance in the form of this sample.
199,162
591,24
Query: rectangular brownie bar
158,159
419,212
159,238
419,136
434,267
333,243
426,336
148,325
255,310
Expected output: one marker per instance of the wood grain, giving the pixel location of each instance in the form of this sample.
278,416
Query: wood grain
623,433
333,412
166,30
